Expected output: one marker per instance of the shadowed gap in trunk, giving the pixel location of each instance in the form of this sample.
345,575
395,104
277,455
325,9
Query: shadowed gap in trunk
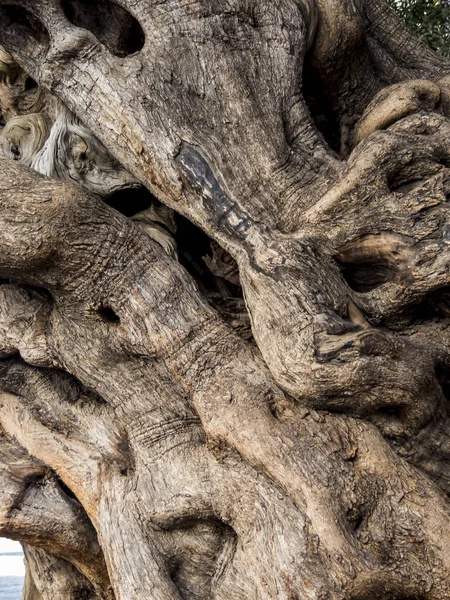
111,24
318,100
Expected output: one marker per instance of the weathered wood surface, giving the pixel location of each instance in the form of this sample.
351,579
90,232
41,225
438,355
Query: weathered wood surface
148,444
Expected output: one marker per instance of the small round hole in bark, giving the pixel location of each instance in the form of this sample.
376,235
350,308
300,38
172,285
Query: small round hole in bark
355,517
445,161
108,315
404,188
391,420
30,84
389,411
111,24
387,594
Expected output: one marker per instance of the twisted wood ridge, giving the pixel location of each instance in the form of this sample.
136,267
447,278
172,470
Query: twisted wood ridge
148,449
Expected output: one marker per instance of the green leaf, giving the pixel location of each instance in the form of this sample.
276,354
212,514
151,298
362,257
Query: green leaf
429,19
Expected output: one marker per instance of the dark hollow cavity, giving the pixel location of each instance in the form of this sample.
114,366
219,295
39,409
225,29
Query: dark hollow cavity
367,276
318,100
24,26
111,24
108,315
443,377
131,201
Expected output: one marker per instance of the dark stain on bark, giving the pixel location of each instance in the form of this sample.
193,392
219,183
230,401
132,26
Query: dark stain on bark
223,211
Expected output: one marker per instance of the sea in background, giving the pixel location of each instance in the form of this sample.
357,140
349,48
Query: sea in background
12,570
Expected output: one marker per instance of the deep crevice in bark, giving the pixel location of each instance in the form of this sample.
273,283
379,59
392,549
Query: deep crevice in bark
318,100
216,273
132,200
442,373
194,245
213,269
37,290
66,489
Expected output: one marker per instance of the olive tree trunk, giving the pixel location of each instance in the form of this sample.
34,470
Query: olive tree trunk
225,301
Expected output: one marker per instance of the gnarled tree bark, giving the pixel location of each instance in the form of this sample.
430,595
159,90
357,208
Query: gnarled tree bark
238,388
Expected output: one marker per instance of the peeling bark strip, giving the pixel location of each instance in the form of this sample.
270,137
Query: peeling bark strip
148,449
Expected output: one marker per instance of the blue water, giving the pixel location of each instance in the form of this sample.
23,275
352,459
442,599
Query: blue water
11,575
11,588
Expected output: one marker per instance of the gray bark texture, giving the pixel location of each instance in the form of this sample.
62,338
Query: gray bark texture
224,301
